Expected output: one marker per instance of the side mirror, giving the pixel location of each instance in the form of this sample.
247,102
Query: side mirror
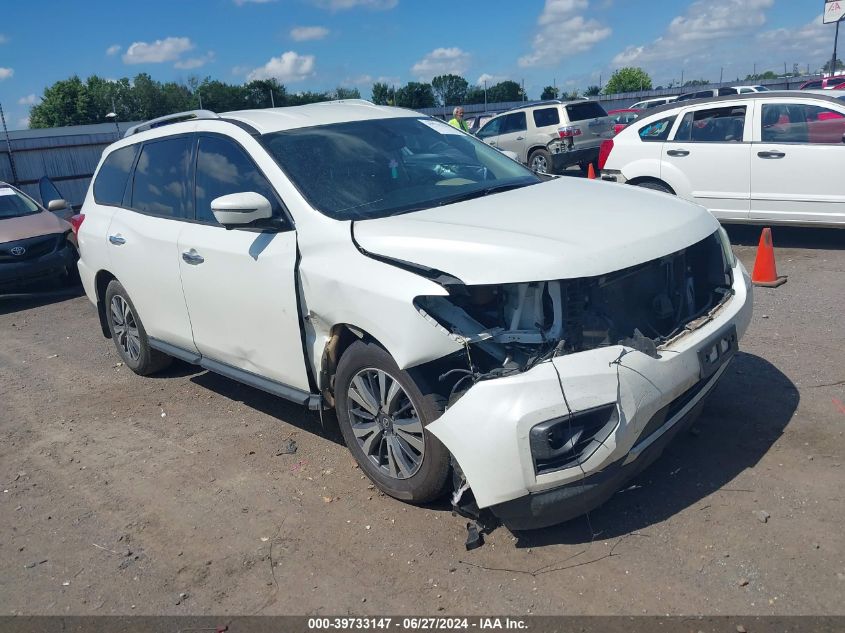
239,209
57,205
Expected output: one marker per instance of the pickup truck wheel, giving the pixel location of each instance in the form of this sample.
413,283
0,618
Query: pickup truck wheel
128,333
382,415
655,186
540,161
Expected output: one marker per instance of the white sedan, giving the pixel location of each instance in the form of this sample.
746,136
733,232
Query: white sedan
774,157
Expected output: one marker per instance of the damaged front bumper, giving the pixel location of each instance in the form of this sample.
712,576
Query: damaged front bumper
645,401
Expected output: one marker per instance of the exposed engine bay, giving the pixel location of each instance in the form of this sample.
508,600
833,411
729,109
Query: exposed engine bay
512,327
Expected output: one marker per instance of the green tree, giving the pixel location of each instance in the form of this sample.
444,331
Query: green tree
63,103
505,91
450,89
592,91
346,93
769,74
549,92
839,65
382,94
257,93
475,94
415,95
628,79
692,83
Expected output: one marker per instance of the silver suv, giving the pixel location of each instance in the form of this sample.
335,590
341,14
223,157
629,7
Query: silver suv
552,135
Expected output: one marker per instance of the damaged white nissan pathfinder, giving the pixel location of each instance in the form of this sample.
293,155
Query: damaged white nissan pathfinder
529,343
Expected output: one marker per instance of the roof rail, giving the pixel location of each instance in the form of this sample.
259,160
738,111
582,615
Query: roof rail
178,117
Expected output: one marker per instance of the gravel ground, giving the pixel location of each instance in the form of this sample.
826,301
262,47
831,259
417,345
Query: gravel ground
168,495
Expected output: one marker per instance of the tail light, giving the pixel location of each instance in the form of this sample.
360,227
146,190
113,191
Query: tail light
604,152
568,132
76,222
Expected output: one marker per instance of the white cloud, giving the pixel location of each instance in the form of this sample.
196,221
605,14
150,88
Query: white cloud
305,33
811,41
699,30
490,79
194,62
3,39
341,5
28,100
563,31
441,61
288,67
23,122
114,49
167,50
5,73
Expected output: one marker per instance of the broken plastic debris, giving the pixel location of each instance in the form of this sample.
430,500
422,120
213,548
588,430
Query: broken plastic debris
288,448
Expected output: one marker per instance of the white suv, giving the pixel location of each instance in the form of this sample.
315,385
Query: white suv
467,328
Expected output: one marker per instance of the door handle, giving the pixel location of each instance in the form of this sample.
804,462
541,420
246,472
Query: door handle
492,143
520,138
117,240
680,153
771,155
192,257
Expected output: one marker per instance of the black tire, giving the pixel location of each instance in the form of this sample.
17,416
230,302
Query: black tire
147,360
428,482
655,186
540,160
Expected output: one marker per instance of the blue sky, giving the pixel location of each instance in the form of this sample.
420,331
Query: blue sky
320,44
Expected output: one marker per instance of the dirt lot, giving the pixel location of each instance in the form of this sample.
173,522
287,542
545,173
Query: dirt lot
131,495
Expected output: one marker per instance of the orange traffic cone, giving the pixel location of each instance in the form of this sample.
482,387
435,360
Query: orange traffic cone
765,271
591,172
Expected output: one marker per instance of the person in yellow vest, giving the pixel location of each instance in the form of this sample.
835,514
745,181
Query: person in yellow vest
458,119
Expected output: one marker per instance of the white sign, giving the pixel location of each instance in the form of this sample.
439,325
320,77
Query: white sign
833,10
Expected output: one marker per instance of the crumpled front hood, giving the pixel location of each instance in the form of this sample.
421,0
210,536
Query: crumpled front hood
561,229
20,228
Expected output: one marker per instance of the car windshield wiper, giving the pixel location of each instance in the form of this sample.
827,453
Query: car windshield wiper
480,193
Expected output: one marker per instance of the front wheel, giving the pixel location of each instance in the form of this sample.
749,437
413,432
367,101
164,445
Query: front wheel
382,415
128,333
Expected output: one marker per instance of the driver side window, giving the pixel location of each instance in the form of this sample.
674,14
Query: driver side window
224,168
492,128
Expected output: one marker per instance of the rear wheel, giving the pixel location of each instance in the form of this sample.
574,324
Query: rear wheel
382,415
128,333
540,161
655,186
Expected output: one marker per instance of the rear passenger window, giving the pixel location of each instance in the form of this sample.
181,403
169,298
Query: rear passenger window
110,183
160,186
658,130
584,110
224,168
715,125
515,122
546,116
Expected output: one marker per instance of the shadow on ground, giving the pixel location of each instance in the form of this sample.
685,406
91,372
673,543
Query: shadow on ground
742,419
35,297
284,411
788,236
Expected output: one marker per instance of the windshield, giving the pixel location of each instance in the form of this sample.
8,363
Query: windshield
13,204
373,169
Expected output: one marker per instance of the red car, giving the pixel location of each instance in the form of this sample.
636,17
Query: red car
623,118
837,82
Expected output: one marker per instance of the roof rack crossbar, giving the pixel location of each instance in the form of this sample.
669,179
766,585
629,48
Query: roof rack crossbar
178,117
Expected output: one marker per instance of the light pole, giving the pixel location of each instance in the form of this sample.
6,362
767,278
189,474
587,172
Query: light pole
113,116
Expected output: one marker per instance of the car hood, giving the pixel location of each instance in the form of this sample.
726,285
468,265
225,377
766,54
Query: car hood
41,223
560,229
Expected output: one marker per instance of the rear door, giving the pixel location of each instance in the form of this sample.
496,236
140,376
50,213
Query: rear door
708,158
797,160
143,237
240,284
512,136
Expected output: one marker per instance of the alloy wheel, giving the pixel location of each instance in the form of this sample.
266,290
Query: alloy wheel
125,328
539,164
385,423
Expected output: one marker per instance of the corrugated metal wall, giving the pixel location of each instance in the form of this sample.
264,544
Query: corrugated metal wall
68,156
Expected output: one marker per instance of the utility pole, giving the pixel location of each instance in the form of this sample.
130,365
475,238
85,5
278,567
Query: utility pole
485,95
272,101
682,77
835,44
721,74
9,148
